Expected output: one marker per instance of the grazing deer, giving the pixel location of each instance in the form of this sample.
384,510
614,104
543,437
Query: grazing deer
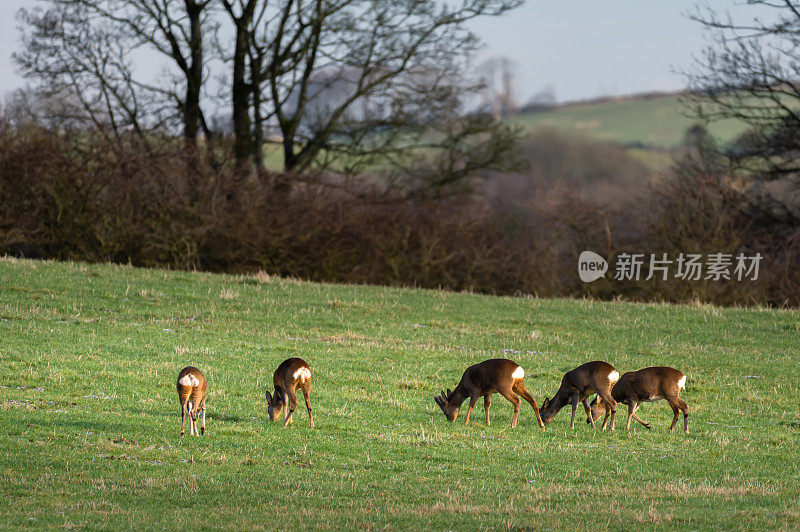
577,385
649,384
293,373
481,380
192,390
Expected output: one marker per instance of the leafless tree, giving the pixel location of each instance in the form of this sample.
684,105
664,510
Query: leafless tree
498,85
85,48
751,72
347,85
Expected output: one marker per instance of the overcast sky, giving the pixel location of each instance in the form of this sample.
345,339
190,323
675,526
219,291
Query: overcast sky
581,48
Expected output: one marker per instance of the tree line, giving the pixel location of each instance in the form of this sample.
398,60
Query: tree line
337,84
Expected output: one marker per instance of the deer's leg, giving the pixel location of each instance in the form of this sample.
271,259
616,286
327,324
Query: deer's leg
290,406
685,408
674,408
183,416
487,402
307,397
640,420
203,422
611,407
679,404
574,400
589,412
472,401
632,406
519,387
508,394
195,408
189,413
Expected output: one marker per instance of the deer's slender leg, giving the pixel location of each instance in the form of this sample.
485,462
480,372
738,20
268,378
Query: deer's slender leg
203,423
640,420
472,401
611,405
307,397
508,394
519,387
487,402
685,408
632,406
574,400
589,412
291,405
183,417
674,415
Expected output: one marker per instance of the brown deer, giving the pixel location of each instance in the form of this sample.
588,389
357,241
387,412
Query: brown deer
577,385
293,373
192,390
649,384
481,380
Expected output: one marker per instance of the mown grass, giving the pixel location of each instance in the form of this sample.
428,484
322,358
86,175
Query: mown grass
89,416
659,122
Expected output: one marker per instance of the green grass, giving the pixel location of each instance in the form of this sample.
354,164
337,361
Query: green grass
89,416
658,122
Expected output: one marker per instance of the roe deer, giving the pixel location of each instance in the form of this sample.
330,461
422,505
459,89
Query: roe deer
481,380
649,384
293,373
192,389
577,385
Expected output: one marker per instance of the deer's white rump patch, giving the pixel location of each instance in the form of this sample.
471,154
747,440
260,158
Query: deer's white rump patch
613,376
189,380
518,373
682,382
303,374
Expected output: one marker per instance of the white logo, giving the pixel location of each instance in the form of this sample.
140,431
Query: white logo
591,266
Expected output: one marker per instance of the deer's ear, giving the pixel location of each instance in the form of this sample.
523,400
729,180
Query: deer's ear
449,393
269,397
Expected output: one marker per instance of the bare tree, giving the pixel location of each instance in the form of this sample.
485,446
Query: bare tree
85,47
751,72
348,83
498,85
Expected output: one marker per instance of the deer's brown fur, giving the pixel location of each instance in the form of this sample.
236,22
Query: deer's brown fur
192,390
291,375
578,385
482,380
649,384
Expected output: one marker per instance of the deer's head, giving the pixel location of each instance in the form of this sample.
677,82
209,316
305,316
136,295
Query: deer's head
450,410
547,411
275,403
596,409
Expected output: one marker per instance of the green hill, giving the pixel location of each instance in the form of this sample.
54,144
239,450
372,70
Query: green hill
653,121
89,416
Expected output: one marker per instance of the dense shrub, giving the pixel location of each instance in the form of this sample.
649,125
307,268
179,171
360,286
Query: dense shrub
93,199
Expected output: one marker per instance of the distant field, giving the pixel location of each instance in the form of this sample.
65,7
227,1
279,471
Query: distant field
658,122
89,416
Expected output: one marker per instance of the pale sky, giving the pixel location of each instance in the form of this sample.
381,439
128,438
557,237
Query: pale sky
581,48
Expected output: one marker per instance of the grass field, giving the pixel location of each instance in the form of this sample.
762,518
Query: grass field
657,122
89,416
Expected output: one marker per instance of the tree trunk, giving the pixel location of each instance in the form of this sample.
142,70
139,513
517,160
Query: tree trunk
194,76
242,127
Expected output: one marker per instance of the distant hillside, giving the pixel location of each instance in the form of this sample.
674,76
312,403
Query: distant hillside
653,121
